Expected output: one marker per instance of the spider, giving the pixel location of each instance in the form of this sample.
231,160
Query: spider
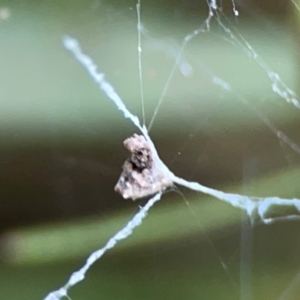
140,176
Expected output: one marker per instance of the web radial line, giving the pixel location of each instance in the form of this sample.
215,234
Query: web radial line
278,85
139,28
235,11
208,239
73,46
255,207
280,135
189,37
126,231
296,5
166,86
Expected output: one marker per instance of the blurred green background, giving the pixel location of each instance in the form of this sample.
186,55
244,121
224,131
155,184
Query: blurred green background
61,150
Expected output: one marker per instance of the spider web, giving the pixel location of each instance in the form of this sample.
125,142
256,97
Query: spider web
212,88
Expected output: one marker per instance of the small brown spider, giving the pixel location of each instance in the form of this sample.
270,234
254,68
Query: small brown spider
140,176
